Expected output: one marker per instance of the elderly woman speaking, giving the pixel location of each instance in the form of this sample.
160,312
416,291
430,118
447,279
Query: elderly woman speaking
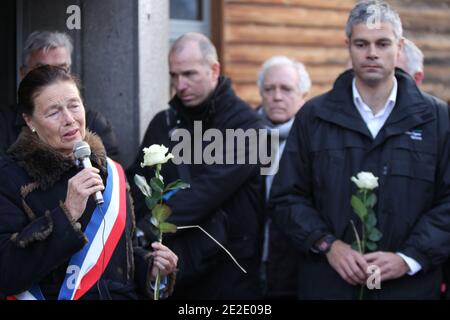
56,241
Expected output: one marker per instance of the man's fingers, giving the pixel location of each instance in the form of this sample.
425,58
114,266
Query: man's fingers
162,250
348,275
358,272
362,264
160,265
163,265
371,256
164,258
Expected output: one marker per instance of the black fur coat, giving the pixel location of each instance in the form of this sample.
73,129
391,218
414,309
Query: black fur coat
37,239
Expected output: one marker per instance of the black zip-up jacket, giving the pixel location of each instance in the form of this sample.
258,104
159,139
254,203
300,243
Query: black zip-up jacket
329,143
232,188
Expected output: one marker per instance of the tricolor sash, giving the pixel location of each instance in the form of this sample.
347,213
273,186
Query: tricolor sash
32,294
103,233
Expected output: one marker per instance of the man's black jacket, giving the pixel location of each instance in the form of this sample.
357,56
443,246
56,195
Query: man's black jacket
330,143
232,188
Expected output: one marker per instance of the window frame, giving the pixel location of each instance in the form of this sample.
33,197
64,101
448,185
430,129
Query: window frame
177,27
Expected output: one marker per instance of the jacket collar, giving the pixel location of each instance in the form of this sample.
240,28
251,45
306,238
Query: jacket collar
410,110
282,128
212,105
44,164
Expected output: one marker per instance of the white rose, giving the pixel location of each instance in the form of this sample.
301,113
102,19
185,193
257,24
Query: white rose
365,180
155,154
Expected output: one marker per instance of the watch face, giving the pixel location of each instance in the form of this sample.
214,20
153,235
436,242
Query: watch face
323,246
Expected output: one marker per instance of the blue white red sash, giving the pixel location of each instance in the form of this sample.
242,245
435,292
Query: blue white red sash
33,294
103,233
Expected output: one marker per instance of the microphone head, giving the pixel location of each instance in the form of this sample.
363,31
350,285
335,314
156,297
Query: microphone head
81,150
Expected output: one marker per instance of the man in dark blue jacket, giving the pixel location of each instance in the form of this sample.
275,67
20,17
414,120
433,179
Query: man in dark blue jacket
53,48
375,119
225,196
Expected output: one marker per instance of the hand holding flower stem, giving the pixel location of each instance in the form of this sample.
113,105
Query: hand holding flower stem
156,156
158,275
363,203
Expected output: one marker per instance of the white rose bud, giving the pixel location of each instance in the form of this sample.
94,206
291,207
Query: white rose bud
365,180
155,154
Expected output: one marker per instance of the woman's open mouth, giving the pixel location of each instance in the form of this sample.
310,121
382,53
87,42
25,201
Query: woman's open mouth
71,134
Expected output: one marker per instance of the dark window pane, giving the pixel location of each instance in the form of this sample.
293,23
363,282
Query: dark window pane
186,9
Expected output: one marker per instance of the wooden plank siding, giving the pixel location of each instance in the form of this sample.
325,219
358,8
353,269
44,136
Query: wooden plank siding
427,23
312,31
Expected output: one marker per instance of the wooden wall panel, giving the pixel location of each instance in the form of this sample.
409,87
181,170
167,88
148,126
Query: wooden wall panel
312,31
290,16
309,31
427,23
325,4
433,20
280,35
309,55
247,73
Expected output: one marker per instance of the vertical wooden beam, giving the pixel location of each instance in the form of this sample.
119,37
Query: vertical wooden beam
217,27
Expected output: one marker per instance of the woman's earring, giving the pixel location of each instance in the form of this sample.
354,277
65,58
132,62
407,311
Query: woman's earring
33,130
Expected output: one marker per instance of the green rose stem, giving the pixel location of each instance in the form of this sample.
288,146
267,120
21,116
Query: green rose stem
363,203
361,242
158,174
358,240
154,200
363,231
158,275
360,249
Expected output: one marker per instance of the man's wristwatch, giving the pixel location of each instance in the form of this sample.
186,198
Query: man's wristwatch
323,245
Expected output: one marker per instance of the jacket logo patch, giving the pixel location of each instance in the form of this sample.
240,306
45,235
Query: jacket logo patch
415,134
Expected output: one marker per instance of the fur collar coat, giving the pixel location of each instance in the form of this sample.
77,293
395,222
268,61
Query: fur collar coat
37,239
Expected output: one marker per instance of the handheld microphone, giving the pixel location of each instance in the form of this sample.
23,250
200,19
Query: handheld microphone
82,151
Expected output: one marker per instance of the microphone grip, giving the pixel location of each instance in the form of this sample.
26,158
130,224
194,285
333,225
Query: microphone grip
98,197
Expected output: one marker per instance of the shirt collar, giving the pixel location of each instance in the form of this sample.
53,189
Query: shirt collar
363,107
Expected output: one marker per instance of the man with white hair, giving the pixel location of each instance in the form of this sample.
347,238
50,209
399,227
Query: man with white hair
52,48
411,61
284,85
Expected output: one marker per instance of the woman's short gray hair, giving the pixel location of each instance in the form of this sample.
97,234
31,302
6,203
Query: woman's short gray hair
304,81
373,11
46,40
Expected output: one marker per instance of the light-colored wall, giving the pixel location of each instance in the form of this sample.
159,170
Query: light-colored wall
153,68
